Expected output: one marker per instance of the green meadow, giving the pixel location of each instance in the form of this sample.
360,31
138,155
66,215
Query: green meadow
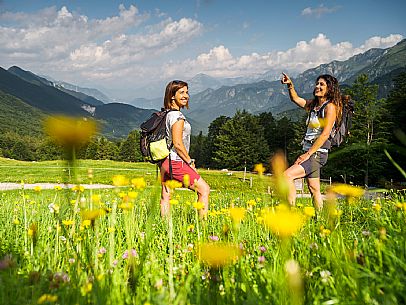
111,246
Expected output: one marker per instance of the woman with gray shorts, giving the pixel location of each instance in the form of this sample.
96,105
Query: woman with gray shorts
324,110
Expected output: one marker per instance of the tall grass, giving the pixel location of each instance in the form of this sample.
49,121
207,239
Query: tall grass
110,246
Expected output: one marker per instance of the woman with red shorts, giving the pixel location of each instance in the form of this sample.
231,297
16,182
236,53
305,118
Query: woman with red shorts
178,132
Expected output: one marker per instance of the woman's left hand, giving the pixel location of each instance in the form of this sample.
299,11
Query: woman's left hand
302,158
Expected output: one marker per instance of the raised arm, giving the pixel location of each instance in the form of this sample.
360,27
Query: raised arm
301,102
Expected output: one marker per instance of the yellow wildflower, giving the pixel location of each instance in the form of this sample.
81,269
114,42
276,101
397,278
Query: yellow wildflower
173,201
259,168
96,198
283,222
47,298
190,228
138,183
111,229
78,188
251,202
260,219
186,180
218,254
347,190
237,214
126,206
211,213
336,212
132,195
173,184
32,230
278,164
309,211
68,222
57,187
377,207
382,233
281,184
92,214
86,288
16,221
85,223
120,180
324,231
198,205
37,188
68,131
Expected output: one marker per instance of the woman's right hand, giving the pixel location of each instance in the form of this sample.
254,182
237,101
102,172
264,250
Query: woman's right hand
286,79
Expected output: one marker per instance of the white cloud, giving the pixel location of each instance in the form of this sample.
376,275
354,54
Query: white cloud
318,11
124,51
73,46
220,62
379,42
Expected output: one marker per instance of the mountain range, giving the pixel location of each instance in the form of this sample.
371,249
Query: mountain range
20,88
226,96
381,66
211,97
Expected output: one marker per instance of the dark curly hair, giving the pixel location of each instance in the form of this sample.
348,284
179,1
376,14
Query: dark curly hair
333,93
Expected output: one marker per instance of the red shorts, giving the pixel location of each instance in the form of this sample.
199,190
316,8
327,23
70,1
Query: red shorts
179,170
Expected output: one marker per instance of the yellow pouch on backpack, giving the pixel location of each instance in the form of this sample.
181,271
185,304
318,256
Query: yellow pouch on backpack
159,150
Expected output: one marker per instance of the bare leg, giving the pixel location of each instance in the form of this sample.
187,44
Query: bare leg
165,197
203,191
294,172
314,187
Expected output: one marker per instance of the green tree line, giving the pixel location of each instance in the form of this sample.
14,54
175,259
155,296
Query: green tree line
246,139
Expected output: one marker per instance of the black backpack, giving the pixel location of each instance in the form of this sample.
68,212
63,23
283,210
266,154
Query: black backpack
153,144
341,130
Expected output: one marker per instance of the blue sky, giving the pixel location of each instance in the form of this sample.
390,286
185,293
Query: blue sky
121,46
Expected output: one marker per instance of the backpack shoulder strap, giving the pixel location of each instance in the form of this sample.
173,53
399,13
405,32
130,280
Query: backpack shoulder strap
320,111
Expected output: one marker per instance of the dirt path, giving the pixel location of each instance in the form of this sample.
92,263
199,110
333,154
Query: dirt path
6,186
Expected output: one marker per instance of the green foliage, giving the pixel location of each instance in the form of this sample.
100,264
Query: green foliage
368,125
396,107
129,150
214,132
19,117
199,151
362,160
241,142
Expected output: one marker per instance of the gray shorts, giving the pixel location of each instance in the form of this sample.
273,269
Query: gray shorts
313,165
